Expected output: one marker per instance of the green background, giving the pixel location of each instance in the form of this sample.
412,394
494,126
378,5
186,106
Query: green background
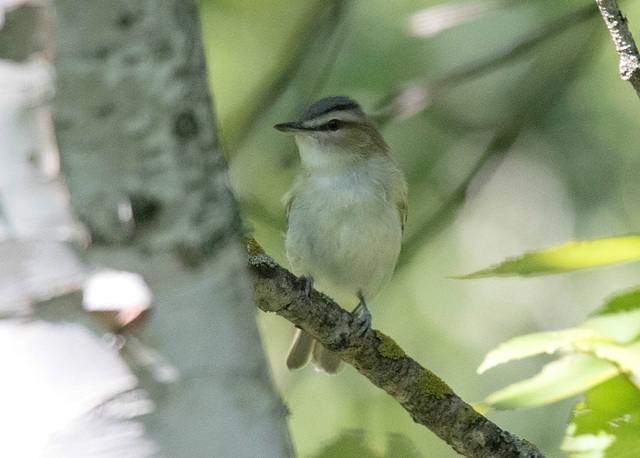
568,170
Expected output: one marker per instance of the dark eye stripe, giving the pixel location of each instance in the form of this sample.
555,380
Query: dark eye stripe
325,126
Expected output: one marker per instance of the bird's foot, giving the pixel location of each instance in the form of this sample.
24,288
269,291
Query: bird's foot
362,317
308,285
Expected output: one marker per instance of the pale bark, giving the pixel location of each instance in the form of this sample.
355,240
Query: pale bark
139,151
629,67
56,369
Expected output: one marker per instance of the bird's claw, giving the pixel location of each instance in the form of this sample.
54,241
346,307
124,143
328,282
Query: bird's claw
362,318
308,285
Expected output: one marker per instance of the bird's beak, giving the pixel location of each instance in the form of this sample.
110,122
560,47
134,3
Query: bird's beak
290,127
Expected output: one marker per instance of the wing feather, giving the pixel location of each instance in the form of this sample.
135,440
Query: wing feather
287,200
403,211
399,194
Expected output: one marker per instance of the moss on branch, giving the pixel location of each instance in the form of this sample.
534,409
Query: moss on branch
427,398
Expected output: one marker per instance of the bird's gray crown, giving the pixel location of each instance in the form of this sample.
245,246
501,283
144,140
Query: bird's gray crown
327,105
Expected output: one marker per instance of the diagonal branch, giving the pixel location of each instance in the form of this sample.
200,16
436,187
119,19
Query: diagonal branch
394,104
428,399
622,38
321,18
535,97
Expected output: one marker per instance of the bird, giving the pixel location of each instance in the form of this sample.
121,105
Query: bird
346,213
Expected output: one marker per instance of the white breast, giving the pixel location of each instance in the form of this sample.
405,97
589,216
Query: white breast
344,231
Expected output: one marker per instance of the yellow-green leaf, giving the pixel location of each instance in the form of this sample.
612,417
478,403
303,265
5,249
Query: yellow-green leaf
627,301
607,423
558,380
586,445
626,357
566,258
543,342
623,327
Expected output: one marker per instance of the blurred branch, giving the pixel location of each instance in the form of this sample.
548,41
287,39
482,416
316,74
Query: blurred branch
434,20
427,398
500,144
338,32
536,96
625,45
320,77
402,103
420,96
322,17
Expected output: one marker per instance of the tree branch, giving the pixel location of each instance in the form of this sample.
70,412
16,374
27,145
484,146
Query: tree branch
321,17
622,38
428,399
393,105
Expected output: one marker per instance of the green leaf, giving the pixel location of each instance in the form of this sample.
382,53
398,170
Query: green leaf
597,334
607,423
596,351
626,357
623,327
558,380
625,302
534,344
566,258
586,445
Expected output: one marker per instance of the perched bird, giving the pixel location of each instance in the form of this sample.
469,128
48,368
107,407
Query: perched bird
346,213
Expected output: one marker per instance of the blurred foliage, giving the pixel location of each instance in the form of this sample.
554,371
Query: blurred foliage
315,29
626,302
514,132
566,258
607,423
353,444
604,347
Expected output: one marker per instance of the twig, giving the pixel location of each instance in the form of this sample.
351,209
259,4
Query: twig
499,146
339,36
536,96
622,38
389,108
391,105
428,399
321,18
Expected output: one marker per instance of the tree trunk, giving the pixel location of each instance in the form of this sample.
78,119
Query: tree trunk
139,153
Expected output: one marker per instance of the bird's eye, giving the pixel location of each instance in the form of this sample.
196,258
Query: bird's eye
334,124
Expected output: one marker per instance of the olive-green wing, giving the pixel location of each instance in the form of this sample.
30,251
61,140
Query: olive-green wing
399,195
287,200
403,210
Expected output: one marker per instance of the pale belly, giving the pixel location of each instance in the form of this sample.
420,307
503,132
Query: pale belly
346,248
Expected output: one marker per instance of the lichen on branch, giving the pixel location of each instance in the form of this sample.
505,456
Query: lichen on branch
427,398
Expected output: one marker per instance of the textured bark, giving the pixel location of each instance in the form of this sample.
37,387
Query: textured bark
35,217
139,151
428,399
622,38
58,373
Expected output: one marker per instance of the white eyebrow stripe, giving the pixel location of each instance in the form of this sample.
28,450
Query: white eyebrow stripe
341,115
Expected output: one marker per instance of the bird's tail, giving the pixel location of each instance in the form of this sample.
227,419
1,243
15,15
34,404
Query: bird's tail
300,350
326,360
303,346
